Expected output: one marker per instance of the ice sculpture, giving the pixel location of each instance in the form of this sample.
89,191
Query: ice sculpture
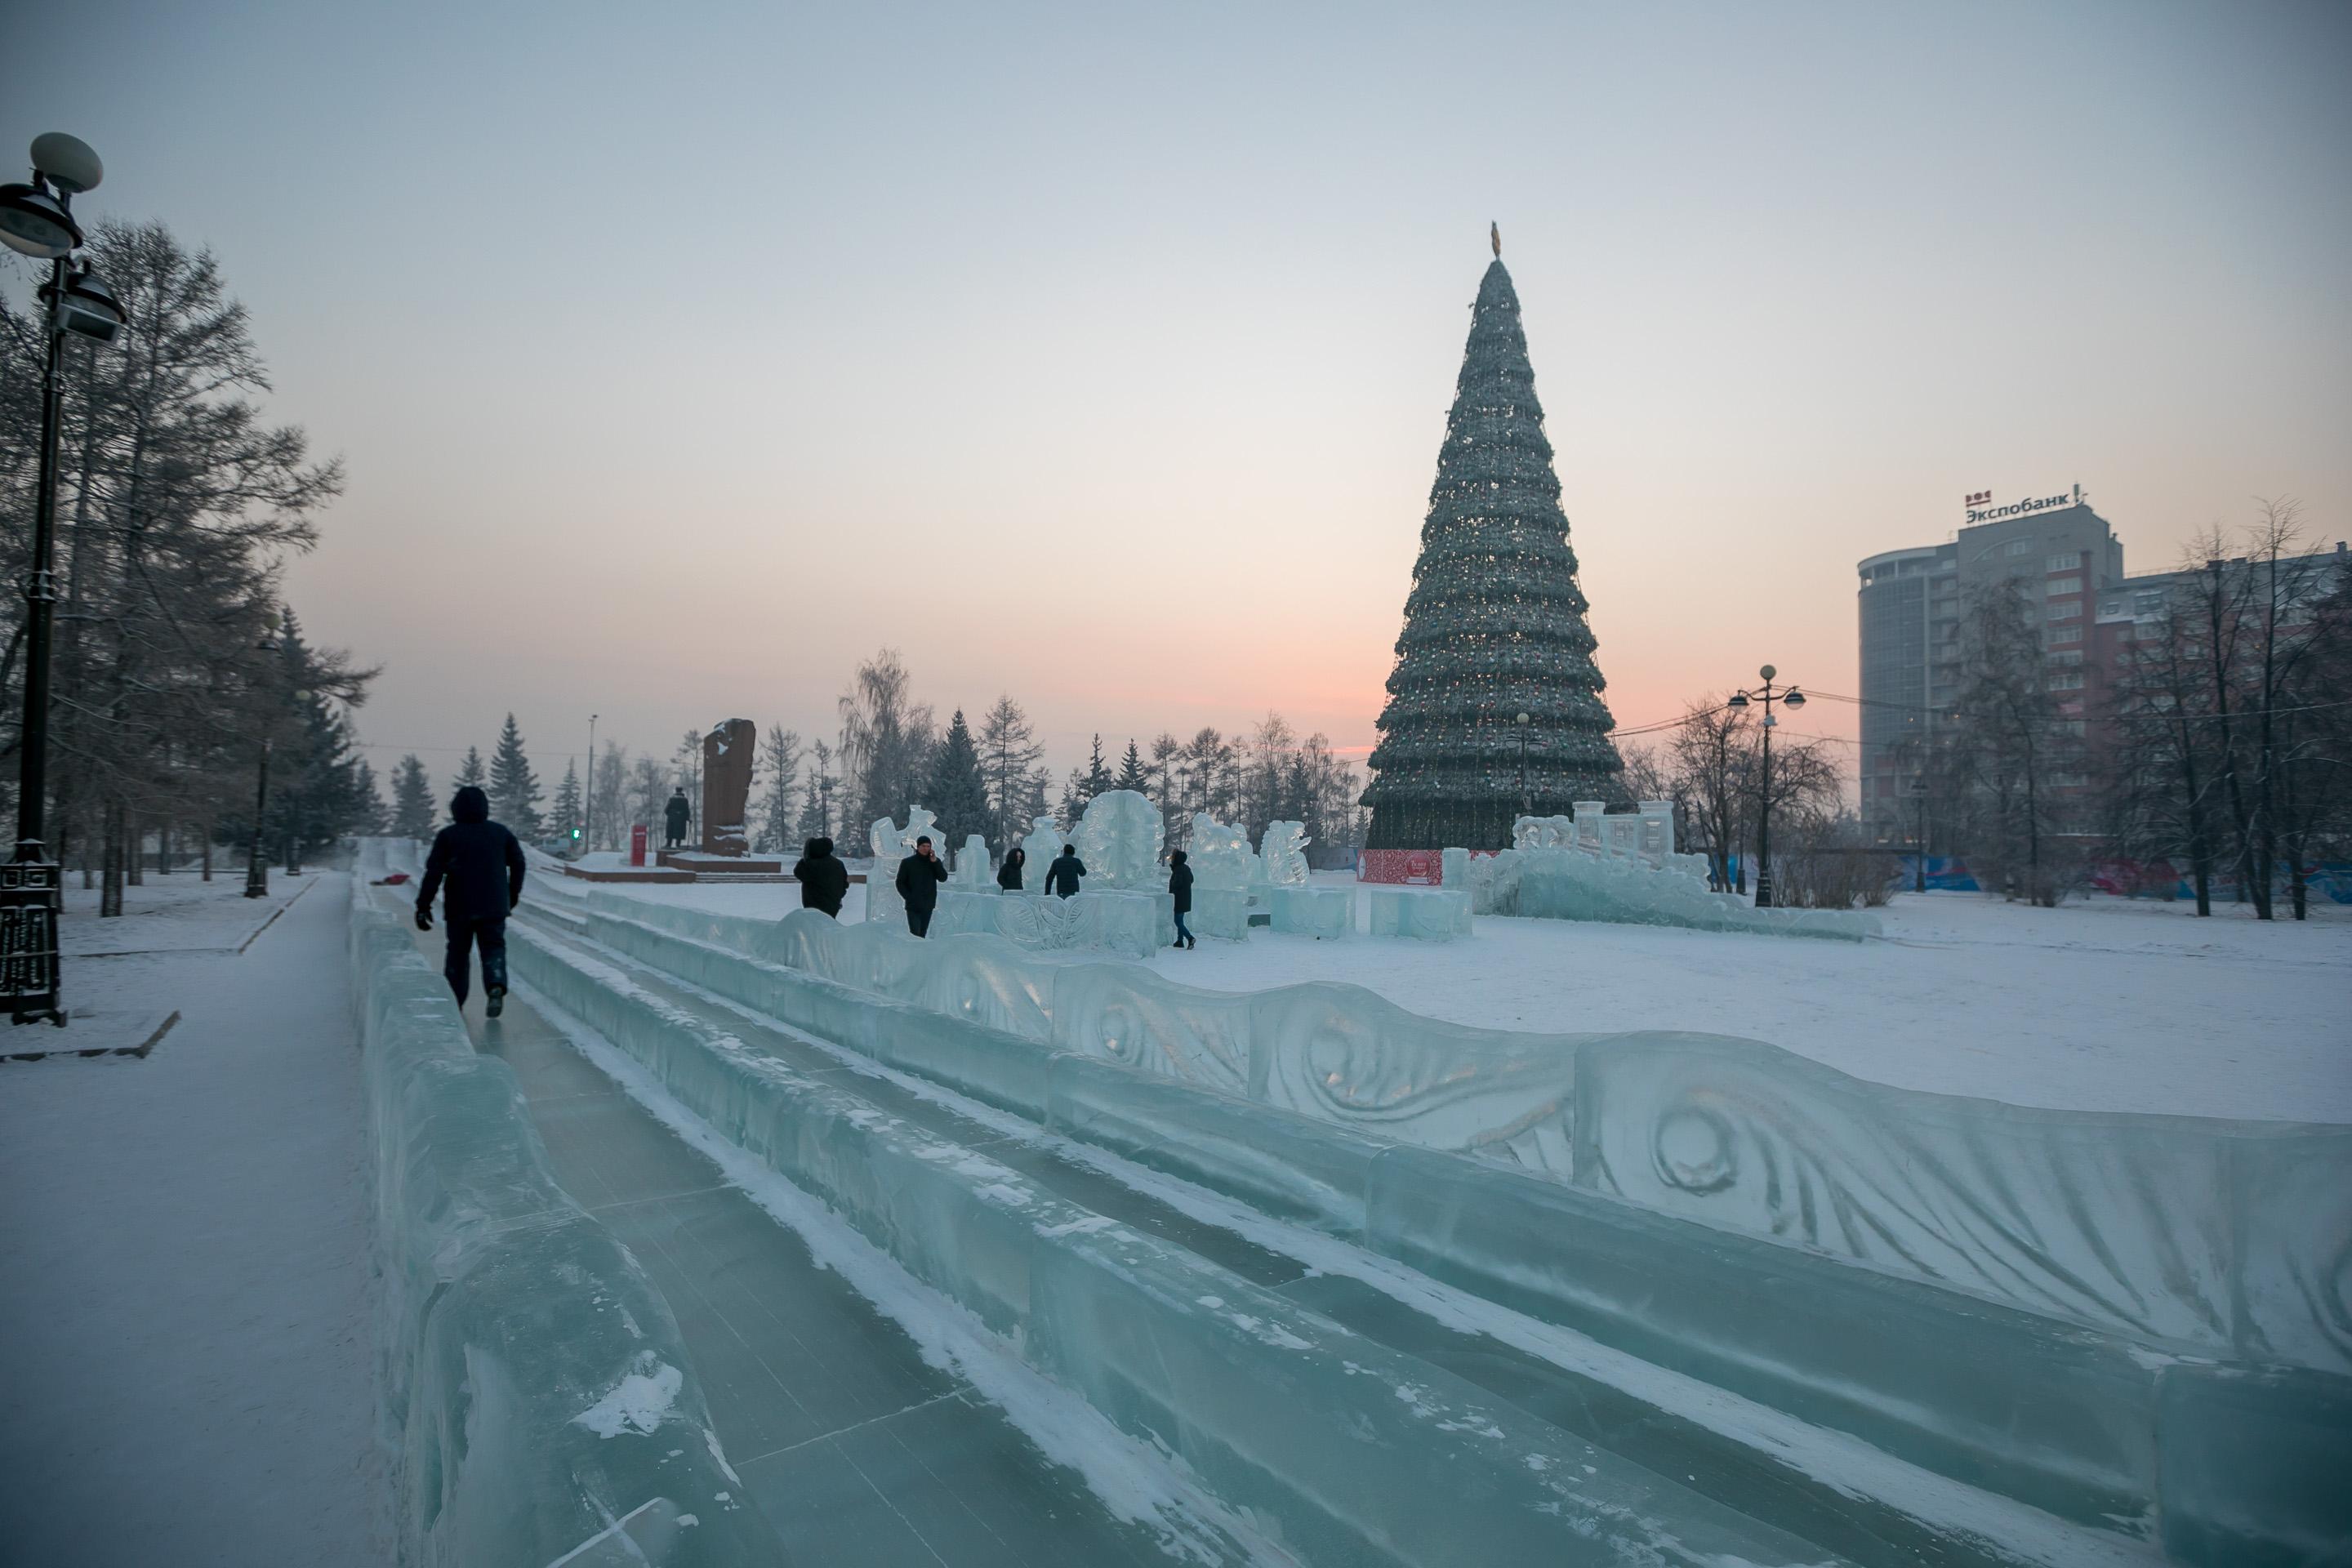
972,868
1120,841
1424,914
1282,851
1130,922
1221,855
1043,847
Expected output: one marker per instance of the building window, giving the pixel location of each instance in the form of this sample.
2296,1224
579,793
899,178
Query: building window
2073,658
2063,634
2147,603
2067,563
2063,610
2020,547
2064,586
2063,680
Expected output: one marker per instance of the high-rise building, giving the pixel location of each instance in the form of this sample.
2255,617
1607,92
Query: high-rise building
1495,704
2053,548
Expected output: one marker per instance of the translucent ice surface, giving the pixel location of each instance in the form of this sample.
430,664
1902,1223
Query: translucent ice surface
1424,914
1570,884
1120,839
535,1390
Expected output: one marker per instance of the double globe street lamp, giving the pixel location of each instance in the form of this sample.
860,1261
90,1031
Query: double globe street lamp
37,220
1787,697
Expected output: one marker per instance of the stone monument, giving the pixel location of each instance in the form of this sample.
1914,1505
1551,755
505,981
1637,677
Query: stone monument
727,753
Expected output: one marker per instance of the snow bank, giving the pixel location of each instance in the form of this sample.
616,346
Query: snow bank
537,1396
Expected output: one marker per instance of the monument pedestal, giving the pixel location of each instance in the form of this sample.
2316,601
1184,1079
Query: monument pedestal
704,861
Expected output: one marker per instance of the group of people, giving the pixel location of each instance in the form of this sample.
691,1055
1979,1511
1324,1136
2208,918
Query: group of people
478,865
825,880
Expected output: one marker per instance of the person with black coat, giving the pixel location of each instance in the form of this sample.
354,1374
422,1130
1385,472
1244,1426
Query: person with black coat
1180,886
1062,876
674,817
919,876
825,880
1008,876
481,865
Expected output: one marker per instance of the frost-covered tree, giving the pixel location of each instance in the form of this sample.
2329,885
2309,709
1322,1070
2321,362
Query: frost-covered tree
1097,778
816,799
886,739
609,821
413,813
1009,755
956,788
1131,772
650,787
471,774
780,754
688,761
1494,626
514,787
565,814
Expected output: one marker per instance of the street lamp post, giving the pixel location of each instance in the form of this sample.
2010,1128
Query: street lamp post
1790,697
588,799
1919,837
37,220
1526,804
257,864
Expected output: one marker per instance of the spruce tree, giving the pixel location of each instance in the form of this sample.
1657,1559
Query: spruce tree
412,800
955,789
1008,755
1131,774
1494,626
781,752
565,814
1098,777
471,773
514,788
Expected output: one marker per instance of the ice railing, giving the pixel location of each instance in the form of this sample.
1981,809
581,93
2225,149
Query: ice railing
2232,1235
536,1399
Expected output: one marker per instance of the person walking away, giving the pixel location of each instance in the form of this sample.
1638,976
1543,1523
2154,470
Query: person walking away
481,865
1062,876
1008,876
674,817
825,880
919,876
1180,885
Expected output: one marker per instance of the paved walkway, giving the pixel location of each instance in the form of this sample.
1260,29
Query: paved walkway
186,1339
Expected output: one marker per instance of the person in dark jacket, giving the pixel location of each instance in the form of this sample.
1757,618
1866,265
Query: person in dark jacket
919,876
481,865
1008,876
1062,876
824,879
1180,885
674,817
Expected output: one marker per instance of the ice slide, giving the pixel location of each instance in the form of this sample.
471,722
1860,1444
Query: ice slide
1302,1342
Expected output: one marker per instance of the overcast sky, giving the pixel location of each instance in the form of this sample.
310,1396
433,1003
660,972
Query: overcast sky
681,355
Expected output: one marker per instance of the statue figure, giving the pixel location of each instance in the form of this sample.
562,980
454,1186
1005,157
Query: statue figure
727,754
971,867
1282,849
1221,855
1120,841
1043,846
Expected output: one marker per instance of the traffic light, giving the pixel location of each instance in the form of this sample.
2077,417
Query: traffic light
575,831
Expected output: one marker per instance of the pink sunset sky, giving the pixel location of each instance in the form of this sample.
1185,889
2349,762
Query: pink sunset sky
681,357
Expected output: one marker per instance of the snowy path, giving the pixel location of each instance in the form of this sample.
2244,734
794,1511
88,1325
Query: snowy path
185,1308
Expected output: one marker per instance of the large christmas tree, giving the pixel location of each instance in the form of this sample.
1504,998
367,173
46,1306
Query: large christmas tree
1493,627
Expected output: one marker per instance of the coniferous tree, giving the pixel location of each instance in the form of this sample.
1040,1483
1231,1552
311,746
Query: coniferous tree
1494,626
1097,778
565,814
412,800
1008,757
1074,801
956,789
368,814
471,772
816,801
778,815
514,787
609,821
1131,774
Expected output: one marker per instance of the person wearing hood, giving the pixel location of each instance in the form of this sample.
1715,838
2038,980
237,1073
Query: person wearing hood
674,817
1180,886
824,879
1008,876
919,876
481,865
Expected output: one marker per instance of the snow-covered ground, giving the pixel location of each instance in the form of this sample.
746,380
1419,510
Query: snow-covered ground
184,1303
2101,1005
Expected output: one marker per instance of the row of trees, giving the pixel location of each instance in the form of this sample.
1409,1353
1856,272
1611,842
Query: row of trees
177,666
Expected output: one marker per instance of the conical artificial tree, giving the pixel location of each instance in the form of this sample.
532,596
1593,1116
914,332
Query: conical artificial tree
1493,627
